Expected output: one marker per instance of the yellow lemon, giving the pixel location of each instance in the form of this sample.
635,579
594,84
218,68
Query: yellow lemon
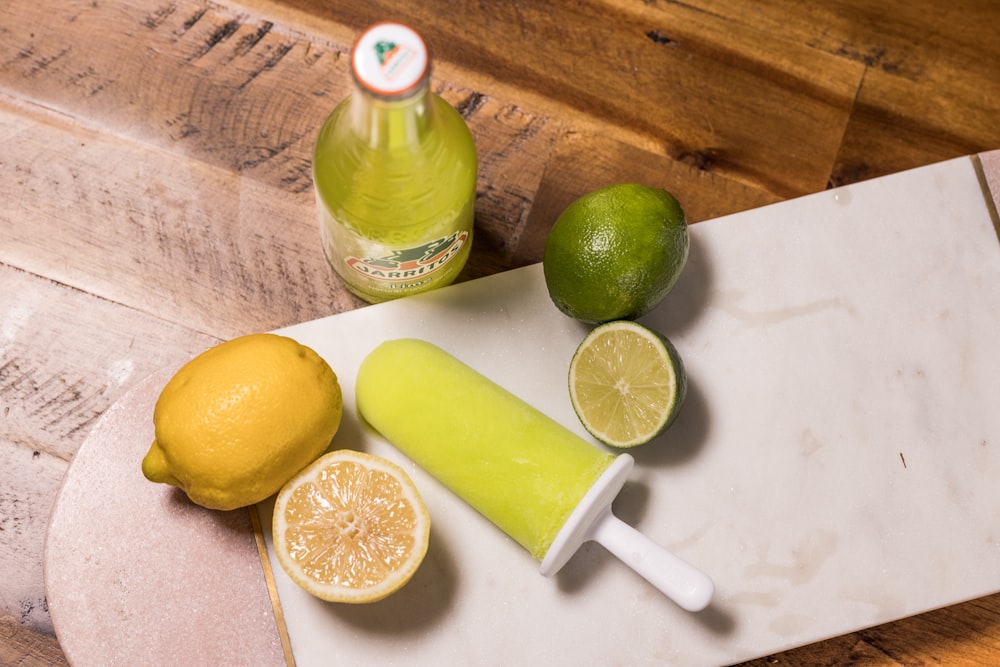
351,527
239,420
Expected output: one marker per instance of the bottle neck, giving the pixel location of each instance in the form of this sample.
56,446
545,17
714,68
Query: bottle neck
387,123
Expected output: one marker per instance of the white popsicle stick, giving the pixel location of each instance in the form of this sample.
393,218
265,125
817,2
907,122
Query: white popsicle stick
593,520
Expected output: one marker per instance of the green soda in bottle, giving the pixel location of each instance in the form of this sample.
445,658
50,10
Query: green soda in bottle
395,174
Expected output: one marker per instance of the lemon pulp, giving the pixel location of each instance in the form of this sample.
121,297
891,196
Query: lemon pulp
351,527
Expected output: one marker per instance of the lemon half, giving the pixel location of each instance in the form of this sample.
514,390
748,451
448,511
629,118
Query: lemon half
351,527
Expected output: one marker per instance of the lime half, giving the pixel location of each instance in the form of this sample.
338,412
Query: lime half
626,383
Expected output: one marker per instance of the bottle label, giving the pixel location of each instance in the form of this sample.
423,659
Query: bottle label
410,264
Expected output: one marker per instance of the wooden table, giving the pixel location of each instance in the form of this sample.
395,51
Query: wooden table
155,183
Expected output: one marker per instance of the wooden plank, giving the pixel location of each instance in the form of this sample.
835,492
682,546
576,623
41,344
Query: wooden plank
931,87
715,97
29,480
716,94
898,121
61,367
960,636
115,208
26,648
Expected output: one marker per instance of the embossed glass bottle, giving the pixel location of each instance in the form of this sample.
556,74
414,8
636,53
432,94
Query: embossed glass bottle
394,169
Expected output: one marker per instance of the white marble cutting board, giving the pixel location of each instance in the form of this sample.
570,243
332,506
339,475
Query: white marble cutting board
835,465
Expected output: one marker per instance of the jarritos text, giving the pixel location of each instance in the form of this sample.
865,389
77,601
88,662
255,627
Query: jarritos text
408,264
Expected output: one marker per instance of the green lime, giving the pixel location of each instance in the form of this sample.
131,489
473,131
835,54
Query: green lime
614,253
627,383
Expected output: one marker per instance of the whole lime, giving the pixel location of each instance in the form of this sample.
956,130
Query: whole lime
615,253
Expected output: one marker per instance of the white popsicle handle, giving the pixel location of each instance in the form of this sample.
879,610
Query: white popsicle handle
592,520
689,587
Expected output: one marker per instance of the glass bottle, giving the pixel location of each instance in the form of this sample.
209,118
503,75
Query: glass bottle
394,169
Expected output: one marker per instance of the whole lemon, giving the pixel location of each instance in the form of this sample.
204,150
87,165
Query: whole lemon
241,419
615,253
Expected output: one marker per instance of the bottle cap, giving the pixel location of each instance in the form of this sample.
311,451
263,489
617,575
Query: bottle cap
390,60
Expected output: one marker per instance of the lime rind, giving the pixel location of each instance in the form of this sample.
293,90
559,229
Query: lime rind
615,253
627,383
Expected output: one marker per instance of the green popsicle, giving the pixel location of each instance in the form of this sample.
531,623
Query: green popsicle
547,488
519,468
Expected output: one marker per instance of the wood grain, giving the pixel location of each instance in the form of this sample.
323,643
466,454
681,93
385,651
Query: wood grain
155,183
929,81
26,648
699,80
60,369
960,636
